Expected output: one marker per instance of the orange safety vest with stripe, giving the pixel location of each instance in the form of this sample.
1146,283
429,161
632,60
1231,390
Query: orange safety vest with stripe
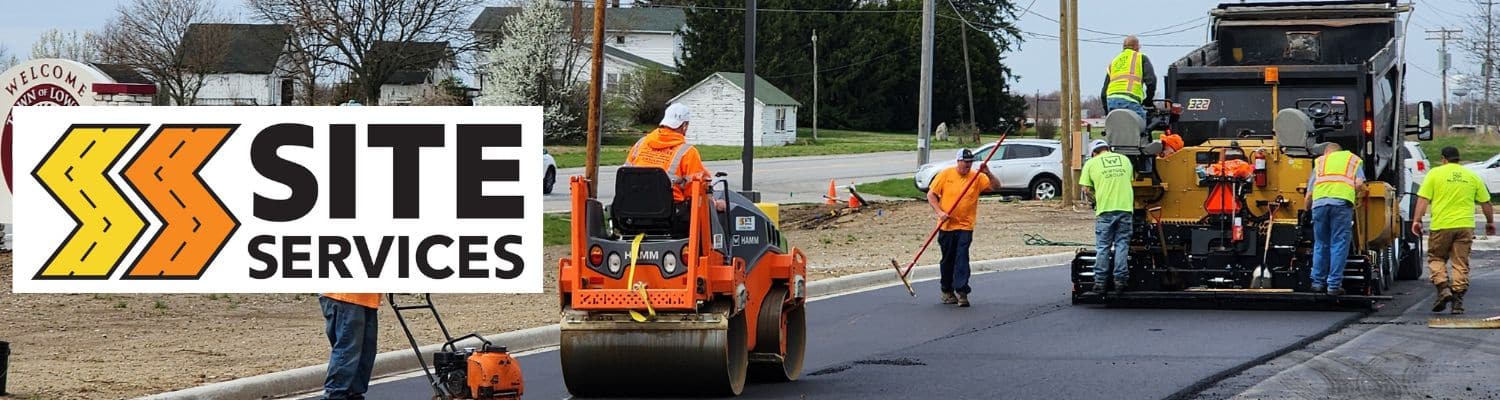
1338,175
1125,79
668,150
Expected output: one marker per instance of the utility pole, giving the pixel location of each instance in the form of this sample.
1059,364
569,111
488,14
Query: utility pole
1075,99
1064,43
924,106
1444,35
596,108
747,156
815,85
1489,62
968,81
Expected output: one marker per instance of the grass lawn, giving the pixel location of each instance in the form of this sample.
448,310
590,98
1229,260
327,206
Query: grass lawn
555,228
1471,147
897,187
830,141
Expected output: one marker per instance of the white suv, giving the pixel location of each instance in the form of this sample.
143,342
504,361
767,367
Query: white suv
1032,167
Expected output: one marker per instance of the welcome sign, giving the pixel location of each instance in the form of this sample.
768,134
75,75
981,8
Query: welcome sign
278,199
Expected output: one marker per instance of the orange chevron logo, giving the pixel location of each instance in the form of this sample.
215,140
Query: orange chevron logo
108,226
165,174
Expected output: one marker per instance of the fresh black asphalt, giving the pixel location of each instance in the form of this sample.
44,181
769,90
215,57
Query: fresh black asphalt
1020,340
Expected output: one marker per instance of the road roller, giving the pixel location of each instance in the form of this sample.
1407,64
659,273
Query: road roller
691,298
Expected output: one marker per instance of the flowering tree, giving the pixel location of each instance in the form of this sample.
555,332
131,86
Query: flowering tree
519,71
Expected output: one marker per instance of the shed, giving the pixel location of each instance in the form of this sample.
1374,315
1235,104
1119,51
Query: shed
718,105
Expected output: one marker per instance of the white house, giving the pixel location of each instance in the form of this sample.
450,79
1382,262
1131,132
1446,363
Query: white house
635,38
251,64
428,63
718,104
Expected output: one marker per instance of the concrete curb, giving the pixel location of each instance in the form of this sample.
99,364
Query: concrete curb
1482,242
310,378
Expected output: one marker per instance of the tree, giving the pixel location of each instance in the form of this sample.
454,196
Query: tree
646,92
347,33
514,77
868,62
1483,51
7,60
148,35
70,45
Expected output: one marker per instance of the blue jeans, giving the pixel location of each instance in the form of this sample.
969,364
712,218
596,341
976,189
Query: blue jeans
955,265
351,330
1332,229
1112,247
1113,103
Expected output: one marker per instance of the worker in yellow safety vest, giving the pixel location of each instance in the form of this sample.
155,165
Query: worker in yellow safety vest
1337,179
1131,81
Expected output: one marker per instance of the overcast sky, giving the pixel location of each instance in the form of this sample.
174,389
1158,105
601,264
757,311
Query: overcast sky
1036,62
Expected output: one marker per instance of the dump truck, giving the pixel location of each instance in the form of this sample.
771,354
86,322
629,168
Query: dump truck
652,307
1276,83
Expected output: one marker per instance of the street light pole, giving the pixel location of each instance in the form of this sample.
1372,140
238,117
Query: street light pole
747,156
815,85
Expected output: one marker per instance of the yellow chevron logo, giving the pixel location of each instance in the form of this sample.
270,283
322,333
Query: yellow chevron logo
108,226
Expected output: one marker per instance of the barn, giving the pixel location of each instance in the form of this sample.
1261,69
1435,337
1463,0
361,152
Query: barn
718,104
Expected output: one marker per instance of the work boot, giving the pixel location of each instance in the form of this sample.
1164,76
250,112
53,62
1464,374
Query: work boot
963,299
1097,290
1458,301
1336,292
948,298
1444,296
1120,287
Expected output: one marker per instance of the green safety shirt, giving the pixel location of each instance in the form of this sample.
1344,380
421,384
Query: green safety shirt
1453,191
1110,175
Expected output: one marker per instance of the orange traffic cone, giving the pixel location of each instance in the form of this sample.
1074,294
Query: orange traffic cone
854,200
833,195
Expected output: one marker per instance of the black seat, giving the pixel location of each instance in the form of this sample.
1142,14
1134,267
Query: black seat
643,201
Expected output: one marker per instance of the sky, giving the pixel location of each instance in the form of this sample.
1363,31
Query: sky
1036,62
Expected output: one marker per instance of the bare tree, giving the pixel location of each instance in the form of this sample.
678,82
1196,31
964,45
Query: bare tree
349,30
1483,51
7,60
148,34
70,45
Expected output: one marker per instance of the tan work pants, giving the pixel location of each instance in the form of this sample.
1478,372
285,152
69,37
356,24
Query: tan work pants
1448,245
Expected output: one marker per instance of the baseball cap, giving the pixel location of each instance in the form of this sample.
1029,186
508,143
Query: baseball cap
676,114
965,155
1096,145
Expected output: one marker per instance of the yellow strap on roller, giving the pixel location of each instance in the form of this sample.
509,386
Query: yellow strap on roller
639,288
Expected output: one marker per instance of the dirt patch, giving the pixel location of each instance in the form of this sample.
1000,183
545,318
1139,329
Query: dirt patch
123,346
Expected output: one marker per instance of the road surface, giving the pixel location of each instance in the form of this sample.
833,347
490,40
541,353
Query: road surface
780,180
1021,339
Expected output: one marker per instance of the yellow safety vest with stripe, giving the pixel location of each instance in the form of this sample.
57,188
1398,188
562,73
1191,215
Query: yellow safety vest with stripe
1337,174
1125,79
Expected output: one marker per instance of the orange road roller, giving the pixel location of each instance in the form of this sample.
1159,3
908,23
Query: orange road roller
691,298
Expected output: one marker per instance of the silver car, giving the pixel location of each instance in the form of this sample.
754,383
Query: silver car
1030,167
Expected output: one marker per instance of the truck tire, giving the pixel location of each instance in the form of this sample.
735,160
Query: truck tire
1410,266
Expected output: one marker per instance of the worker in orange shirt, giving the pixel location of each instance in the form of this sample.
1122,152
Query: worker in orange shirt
666,147
1171,143
350,322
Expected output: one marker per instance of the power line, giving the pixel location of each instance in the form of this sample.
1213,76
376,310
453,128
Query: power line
1102,41
855,64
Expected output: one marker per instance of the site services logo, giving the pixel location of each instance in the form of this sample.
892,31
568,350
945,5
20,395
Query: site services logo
278,199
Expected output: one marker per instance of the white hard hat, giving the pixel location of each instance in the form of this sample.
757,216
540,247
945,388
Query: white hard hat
676,114
1096,144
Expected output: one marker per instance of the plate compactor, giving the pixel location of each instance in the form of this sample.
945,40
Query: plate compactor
705,306
487,372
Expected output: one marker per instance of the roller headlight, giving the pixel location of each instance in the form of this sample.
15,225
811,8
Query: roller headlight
669,262
614,263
